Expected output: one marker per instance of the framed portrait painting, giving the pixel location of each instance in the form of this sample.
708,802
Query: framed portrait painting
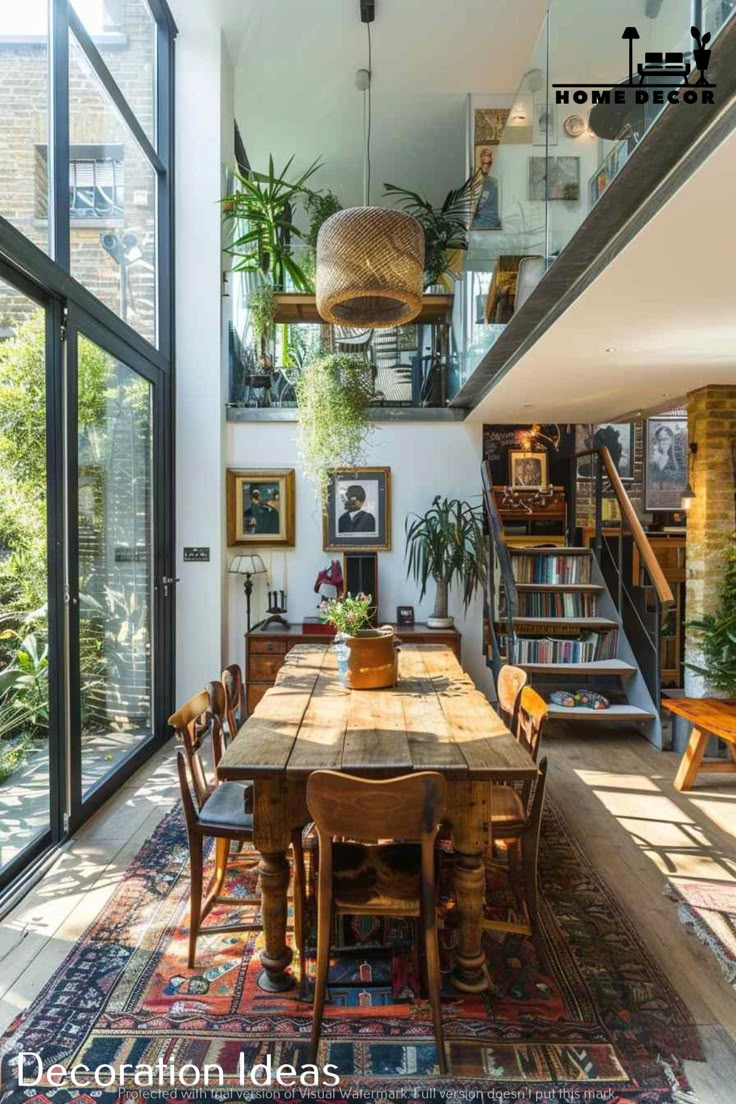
260,507
528,470
357,516
665,463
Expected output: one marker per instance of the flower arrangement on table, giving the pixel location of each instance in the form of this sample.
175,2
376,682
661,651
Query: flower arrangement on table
348,614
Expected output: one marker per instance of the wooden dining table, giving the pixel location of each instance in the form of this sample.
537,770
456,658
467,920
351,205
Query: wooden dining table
433,719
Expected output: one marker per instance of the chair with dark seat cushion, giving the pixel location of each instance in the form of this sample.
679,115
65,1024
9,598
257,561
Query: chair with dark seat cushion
365,878
219,811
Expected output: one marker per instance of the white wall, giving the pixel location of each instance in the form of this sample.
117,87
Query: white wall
425,460
200,411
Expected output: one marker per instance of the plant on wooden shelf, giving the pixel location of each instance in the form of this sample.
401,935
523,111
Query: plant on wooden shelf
333,393
262,315
264,203
445,544
445,228
716,635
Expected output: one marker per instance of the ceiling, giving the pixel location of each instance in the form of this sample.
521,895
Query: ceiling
295,63
658,322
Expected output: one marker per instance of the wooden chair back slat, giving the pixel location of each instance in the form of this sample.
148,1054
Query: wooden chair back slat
532,718
190,812
232,683
405,808
509,684
193,723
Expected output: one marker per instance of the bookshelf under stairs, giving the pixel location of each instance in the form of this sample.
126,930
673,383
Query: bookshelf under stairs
567,633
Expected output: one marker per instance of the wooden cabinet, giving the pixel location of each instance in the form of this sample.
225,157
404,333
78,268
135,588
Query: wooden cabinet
265,651
531,518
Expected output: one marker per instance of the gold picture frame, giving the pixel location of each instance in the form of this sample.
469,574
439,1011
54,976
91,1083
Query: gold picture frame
528,471
367,527
261,507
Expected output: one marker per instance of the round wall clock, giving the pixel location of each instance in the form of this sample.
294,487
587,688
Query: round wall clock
574,126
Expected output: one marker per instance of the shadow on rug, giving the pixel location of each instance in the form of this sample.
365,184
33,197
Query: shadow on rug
603,1024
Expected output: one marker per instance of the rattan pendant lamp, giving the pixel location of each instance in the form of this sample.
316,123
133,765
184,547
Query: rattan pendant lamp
370,260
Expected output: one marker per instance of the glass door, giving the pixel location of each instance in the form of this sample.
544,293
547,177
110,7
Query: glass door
116,603
30,652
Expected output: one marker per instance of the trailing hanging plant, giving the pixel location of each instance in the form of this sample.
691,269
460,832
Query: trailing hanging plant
444,544
262,314
716,634
333,394
264,203
445,228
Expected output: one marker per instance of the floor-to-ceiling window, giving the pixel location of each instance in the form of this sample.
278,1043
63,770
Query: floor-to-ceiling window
86,605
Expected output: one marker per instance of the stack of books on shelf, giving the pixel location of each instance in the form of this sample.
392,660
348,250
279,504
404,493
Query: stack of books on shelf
585,649
550,569
546,604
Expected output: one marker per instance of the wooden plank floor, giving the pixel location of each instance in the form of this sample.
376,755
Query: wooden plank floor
616,793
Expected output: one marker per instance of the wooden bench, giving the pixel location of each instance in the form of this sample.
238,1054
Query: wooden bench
709,717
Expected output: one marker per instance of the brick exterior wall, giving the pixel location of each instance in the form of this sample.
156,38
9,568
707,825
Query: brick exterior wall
712,516
93,121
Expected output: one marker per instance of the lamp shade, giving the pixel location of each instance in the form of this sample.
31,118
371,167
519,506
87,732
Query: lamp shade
246,565
370,268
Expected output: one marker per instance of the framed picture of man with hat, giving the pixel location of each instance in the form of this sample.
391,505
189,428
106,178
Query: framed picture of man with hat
357,515
260,507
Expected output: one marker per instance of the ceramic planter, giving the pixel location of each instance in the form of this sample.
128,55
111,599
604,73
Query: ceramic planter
372,659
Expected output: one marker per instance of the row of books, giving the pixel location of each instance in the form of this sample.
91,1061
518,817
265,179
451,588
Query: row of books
551,569
555,604
584,649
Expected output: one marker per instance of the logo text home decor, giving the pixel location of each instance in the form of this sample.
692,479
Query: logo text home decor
660,78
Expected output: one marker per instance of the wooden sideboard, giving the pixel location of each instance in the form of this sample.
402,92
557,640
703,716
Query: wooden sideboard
265,651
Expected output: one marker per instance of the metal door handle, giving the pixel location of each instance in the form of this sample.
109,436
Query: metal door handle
167,581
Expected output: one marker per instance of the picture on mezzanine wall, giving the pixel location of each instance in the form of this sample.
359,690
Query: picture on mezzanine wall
554,178
357,515
665,465
488,125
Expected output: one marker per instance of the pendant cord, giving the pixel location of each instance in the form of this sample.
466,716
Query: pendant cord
368,128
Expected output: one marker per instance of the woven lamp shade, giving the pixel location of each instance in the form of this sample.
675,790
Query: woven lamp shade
370,268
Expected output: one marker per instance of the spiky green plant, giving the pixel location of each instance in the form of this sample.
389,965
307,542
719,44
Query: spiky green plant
445,227
447,543
716,634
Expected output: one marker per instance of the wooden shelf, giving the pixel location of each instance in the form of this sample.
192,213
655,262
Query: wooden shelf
294,307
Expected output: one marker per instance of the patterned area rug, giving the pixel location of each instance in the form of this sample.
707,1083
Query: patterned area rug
708,908
602,1025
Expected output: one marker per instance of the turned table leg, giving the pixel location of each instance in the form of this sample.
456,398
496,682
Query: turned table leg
276,956
691,759
467,809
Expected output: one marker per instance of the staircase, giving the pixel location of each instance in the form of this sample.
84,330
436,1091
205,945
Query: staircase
549,611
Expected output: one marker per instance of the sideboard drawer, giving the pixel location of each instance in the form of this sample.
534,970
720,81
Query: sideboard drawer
255,693
267,647
264,668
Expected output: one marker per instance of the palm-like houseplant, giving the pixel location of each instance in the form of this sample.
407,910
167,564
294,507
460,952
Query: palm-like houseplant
716,635
445,227
447,543
264,203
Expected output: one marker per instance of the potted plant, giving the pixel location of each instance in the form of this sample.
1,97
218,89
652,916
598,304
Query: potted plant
333,394
319,206
716,635
445,228
366,657
262,316
264,203
445,544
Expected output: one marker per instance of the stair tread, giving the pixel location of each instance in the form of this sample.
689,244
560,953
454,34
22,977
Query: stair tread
584,622
594,667
549,551
613,713
571,588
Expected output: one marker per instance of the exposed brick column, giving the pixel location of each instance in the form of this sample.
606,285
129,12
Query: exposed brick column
712,518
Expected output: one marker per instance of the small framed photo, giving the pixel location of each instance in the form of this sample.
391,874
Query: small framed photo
404,615
528,470
357,515
260,507
666,462
554,178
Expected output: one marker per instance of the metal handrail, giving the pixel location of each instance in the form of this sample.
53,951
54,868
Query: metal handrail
648,557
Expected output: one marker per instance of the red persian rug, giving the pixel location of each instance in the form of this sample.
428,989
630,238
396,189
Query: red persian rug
603,1025
708,909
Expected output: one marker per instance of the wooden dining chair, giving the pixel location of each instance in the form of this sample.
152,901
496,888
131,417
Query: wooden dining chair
218,811
365,878
509,684
516,819
232,683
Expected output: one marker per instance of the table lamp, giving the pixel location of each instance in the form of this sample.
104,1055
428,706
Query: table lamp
247,566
